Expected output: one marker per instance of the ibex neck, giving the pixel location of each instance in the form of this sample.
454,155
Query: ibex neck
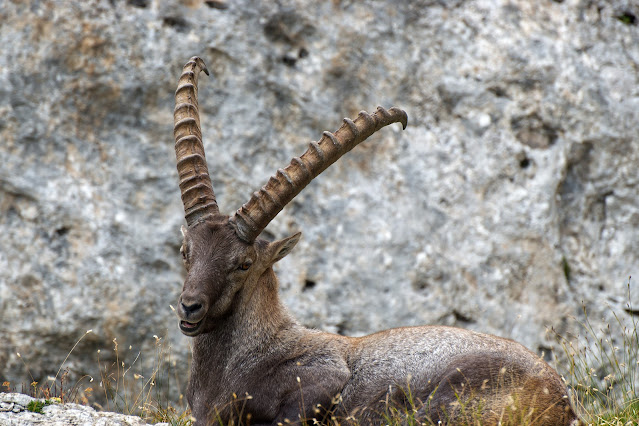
225,356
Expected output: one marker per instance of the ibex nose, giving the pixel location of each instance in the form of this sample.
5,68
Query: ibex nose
191,309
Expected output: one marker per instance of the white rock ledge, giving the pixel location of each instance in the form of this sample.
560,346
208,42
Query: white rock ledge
13,412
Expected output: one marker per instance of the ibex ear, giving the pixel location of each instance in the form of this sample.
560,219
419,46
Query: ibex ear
277,250
183,231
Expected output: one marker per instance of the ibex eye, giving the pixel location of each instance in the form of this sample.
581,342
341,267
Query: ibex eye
245,266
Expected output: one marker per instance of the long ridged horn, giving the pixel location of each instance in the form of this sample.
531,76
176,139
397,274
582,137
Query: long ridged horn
195,183
264,205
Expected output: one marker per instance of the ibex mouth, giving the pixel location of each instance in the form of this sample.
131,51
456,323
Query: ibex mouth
190,328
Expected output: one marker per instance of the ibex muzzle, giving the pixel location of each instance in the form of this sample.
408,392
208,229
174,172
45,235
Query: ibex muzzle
246,343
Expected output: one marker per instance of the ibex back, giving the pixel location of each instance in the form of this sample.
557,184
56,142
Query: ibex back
247,346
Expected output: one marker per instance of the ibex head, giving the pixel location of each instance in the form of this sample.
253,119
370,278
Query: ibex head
223,254
219,264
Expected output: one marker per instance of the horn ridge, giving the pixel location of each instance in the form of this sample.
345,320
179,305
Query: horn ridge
194,179
251,219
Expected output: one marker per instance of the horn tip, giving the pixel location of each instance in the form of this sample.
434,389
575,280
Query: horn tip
403,117
200,62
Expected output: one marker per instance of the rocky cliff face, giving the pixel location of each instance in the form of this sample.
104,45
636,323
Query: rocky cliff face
509,200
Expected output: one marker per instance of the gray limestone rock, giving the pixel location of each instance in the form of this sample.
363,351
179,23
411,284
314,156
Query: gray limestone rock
55,414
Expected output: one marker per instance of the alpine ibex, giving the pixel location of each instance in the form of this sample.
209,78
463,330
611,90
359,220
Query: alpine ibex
246,343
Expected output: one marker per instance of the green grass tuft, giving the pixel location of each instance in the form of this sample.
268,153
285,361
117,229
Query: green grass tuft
37,405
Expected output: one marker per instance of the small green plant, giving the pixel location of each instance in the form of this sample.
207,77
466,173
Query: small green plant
37,405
